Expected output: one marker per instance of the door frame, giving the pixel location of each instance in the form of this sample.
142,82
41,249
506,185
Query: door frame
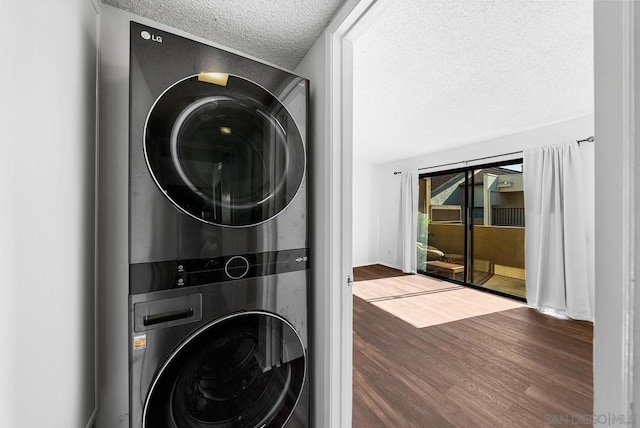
616,109
350,22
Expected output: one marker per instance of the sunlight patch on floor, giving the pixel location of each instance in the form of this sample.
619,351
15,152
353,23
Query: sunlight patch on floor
422,301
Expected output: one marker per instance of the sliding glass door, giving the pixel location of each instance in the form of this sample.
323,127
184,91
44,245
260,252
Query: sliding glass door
441,224
471,227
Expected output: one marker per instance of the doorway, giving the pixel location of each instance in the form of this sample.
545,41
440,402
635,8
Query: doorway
615,22
471,227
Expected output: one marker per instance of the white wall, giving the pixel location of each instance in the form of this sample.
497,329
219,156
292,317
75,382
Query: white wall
366,207
636,240
113,217
389,250
313,67
331,309
47,218
611,373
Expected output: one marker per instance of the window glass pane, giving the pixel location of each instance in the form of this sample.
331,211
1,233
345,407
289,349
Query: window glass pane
440,245
497,248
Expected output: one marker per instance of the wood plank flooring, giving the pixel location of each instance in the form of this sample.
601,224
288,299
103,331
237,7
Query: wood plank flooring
423,301
515,368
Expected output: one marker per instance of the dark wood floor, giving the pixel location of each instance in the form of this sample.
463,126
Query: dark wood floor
517,368
367,273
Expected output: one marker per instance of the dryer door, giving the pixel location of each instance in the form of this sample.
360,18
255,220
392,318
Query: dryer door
224,150
245,370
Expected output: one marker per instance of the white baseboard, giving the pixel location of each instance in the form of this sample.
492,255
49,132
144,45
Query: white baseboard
390,266
378,263
365,264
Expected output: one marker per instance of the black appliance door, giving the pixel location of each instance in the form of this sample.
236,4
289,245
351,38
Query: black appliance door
224,150
245,370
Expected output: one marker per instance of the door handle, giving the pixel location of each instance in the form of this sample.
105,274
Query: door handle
167,316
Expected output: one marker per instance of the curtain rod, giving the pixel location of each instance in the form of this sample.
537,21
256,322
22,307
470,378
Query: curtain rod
465,161
586,140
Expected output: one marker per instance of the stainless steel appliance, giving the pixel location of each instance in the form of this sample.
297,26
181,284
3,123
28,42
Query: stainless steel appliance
217,151
211,350
218,238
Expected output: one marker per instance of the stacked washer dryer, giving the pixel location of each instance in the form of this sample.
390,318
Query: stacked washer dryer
218,238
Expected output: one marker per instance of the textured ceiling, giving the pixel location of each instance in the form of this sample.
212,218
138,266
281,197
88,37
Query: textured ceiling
431,75
280,32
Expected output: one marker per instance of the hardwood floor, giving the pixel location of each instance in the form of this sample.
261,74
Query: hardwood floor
423,301
515,368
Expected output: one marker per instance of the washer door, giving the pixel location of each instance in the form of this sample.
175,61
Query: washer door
245,370
224,150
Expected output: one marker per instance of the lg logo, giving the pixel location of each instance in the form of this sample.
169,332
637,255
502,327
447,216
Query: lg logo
146,35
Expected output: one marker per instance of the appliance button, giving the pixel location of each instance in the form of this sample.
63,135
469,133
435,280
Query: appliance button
181,281
236,267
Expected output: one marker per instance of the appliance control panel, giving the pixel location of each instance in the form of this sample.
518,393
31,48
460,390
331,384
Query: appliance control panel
167,275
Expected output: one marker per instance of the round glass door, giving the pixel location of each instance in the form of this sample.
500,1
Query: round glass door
246,370
224,150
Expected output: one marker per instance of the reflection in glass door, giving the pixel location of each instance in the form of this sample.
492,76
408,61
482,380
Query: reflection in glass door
471,227
441,225
497,240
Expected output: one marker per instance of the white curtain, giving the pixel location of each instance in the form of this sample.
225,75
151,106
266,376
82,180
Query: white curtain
408,220
559,212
